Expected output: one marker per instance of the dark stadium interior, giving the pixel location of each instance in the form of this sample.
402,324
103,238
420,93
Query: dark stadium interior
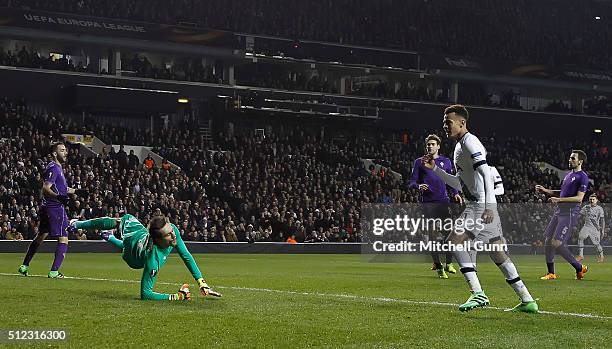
326,90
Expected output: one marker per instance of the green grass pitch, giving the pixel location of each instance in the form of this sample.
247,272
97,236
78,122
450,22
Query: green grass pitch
296,301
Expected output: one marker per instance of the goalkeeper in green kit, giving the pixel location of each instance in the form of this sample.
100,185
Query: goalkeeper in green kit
147,248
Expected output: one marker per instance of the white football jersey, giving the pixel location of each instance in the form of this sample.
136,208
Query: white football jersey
469,155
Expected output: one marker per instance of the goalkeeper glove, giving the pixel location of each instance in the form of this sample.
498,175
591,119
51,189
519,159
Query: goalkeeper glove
205,290
183,294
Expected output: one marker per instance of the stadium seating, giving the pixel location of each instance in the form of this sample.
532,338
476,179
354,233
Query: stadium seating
564,33
248,188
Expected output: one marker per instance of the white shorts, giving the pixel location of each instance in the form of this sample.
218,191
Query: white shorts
470,222
588,232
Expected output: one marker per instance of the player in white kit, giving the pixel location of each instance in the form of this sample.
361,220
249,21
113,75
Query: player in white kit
594,227
474,179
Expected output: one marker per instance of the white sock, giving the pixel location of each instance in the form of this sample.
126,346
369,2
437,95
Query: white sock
599,250
513,279
468,269
581,248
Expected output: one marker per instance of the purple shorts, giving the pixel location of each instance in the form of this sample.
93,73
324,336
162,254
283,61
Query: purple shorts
54,221
560,227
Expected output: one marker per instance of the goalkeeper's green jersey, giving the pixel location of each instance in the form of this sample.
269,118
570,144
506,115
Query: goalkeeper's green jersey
139,252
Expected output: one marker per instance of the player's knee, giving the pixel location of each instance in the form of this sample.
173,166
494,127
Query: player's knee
556,243
63,240
455,238
498,257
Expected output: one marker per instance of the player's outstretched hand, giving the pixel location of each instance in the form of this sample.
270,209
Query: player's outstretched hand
184,293
540,189
205,290
428,161
554,199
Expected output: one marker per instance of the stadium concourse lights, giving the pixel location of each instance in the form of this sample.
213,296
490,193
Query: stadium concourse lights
183,100
597,18
597,130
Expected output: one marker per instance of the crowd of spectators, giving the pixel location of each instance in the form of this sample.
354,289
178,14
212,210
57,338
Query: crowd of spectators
560,32
563,33
291,183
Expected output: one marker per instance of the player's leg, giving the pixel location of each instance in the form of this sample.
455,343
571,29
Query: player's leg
59,229
467,264
449,263
444,214
32,248
102,223
43,231
562,234
581,237
435,256
507,267
595,239
549,249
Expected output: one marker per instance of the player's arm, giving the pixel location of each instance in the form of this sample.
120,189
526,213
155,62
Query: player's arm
478,156
191,264
549,192
582,188
47,191
149,276
185,255
449,169
414,177
449,179
485,172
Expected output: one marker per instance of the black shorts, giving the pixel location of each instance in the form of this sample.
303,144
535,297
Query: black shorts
436,210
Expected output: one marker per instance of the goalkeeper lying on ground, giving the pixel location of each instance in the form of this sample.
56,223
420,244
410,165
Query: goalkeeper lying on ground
147,249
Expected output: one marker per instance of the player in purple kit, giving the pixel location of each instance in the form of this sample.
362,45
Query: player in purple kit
435,197
566,215
53,219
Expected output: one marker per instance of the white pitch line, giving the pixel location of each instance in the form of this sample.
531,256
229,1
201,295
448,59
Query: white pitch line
333,295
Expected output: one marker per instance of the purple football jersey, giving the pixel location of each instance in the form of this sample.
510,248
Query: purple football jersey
55,175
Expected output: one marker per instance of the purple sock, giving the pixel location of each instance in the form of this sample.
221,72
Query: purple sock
31,252
550,257
569,257
60,253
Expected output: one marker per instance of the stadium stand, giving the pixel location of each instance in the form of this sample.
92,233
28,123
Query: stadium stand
250,188
559,32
